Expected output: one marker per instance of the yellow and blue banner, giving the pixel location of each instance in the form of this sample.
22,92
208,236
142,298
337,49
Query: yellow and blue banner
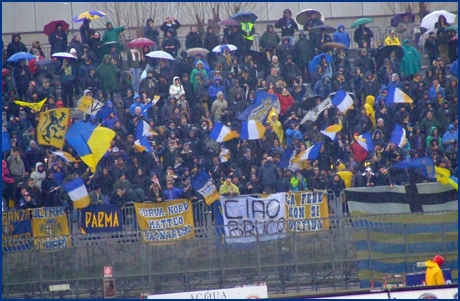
252,130
222,133
144,130
307,211
77,192
311,153
90,106
443,176
65,155
17,230
166,221
50,228
205,186
101,218
260,108
52,127
89,141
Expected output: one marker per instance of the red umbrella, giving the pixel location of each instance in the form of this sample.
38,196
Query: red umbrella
51,26
141,43
5,71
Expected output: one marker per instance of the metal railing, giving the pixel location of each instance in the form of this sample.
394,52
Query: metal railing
321,261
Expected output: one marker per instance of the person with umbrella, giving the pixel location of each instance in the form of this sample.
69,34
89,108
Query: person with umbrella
170,23
431,46
443,37
150,32
312,22
86,31
22,76
304,51
287,25
341,36
322,39
112,34
171,44
411,62
405,28
362,33
15,46
58,39
392,39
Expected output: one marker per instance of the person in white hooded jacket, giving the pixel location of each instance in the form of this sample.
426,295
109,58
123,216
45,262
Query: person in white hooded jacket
38,175
176,88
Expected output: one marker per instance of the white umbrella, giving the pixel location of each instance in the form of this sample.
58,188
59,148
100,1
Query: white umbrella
303,16
64,55
160,55
230,47
430,20
425,36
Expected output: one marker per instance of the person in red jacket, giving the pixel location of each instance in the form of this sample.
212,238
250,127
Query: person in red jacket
286,101
7,182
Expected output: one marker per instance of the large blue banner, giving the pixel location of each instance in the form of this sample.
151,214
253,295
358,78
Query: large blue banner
17,230
101,218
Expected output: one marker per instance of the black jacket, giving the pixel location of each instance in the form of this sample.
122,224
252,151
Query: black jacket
14,47
193,40
287,30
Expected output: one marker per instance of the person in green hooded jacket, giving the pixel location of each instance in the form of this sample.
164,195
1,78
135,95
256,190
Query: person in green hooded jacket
199,69
108,73
411,61
112,34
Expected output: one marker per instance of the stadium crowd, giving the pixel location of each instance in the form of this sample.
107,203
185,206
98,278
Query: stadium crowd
196,91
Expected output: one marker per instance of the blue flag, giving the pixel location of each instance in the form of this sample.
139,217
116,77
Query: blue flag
218,218
424,166
260,108
286,158
6,145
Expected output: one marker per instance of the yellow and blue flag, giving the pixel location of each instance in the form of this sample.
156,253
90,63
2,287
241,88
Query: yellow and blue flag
52,127
331,131
90,106
252,130
443,177
144,130
365,141
399,136
423,165
77,192
205,186
143,144
222,133
36,106
260,108
395,95
342,101
89,141
65,155
311,153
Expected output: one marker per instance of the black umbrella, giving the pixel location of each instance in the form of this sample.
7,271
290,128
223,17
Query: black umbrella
319,28
385,53
310,102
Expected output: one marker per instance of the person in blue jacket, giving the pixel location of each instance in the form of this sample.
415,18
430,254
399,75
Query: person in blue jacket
341,36
215,88
137,103
454,68
173,193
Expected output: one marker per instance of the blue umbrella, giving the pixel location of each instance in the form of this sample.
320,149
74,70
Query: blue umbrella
315,61
20,56
240,16
399,17
91,15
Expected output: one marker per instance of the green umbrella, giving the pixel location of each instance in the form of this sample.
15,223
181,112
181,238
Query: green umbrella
453,27
361,22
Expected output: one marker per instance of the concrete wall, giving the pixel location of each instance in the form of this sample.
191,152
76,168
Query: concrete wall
29,18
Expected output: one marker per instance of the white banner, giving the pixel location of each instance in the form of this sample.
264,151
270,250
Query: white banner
245,217
428,293
247,292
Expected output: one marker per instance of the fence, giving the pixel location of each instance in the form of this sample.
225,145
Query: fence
322,261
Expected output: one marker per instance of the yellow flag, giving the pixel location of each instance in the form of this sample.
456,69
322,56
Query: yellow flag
442,175
346,176
52,127
36,106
